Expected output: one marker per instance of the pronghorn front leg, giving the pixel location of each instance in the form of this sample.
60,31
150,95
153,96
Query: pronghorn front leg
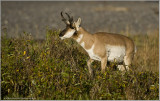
89,62
103,64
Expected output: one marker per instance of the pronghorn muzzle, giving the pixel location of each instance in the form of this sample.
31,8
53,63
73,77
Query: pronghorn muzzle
62,33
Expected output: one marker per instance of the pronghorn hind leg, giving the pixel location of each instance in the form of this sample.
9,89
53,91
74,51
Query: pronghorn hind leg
127,63
103,64
89,62
121,67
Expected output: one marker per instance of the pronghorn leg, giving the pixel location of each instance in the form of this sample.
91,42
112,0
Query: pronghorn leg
128,61
121,67
103,64
89,62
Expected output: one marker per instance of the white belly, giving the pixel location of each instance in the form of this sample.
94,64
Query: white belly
115,53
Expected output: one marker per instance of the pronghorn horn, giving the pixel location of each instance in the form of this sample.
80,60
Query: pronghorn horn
62,16
70,18
64,19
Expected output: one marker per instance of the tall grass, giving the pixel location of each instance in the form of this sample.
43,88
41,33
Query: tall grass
57,70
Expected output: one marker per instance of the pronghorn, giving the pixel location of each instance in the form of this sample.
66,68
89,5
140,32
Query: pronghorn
100,46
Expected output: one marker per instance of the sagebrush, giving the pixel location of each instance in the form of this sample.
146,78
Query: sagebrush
54,69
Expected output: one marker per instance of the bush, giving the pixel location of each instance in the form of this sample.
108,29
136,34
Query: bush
56,70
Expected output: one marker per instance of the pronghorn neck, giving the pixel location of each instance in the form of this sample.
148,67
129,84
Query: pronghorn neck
84,38
81,34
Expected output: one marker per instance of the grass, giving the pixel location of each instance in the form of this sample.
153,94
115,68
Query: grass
57,70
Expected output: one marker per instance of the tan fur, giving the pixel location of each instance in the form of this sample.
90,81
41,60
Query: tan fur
100,46
101,39
87,38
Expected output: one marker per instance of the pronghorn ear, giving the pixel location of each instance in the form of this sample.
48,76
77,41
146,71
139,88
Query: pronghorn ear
77,24
79,21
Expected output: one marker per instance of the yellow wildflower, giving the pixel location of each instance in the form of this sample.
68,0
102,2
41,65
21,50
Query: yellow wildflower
152,87
24,53
28,57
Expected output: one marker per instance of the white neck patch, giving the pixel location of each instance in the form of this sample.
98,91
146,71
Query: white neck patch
79,38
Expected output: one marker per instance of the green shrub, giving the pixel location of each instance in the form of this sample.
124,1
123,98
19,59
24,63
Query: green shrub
57,70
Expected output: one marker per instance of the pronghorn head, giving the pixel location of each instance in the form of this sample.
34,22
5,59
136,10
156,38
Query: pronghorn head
71,27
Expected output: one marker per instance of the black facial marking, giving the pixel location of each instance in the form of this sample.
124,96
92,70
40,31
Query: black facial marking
71,27
63,32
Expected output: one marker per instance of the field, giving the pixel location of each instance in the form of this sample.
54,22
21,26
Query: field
55,69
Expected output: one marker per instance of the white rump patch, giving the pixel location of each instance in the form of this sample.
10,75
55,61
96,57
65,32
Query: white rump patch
79,38
115,53
90,52
68,34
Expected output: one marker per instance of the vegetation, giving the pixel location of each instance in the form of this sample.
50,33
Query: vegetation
57,70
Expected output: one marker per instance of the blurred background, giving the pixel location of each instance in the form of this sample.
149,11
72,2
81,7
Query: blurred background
35,17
